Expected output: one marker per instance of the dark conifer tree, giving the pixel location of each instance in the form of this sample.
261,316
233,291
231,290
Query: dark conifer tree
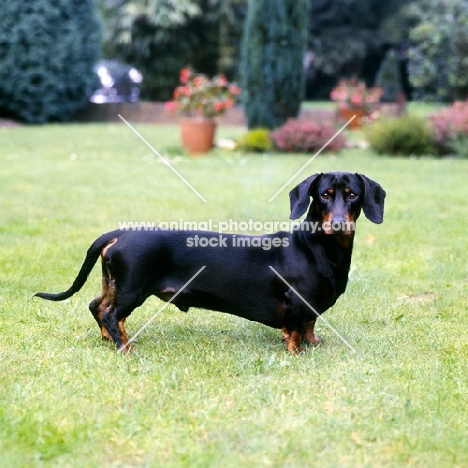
389,77
272,71
47,51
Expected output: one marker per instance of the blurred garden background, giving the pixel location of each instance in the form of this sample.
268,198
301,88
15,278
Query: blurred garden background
64,61
94,96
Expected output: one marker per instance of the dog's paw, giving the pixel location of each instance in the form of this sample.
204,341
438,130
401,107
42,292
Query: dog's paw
314,339
294,350
127,349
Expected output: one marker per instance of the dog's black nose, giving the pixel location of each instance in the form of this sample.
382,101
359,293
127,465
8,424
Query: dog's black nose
338,222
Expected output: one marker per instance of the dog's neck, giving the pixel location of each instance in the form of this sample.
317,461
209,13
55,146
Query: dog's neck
338,249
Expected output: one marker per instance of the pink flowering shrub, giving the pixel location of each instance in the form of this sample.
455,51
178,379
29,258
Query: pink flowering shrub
306,136
450,126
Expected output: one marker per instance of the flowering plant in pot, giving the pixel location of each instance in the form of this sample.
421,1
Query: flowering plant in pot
200,99
355,98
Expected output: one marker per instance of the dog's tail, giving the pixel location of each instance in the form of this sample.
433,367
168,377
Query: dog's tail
91,257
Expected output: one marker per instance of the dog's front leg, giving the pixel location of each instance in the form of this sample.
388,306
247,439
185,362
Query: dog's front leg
310,336
293,340
294,322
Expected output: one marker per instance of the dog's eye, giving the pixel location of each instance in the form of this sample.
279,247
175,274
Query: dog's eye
352,196
325,196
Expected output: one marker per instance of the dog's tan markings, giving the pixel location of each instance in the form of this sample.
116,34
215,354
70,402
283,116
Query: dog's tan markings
294,343
348,233
350,218
104,250
105,304
327,217
327,223
286,335
106,300
125,348
293,340
96,309
105,334
310,336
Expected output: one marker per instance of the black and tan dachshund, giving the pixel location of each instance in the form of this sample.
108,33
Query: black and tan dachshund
283,280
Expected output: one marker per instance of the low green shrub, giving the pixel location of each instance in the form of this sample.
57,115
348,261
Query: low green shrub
460,145
406,135
257,140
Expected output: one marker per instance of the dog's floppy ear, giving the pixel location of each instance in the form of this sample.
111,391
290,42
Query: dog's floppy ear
374,196
299,196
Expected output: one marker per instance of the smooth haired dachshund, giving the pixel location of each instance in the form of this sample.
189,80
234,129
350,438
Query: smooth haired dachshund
287,285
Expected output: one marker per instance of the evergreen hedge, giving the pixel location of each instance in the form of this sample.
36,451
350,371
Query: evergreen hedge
47,51
272,71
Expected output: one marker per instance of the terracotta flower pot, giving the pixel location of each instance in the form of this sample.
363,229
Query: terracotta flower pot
345,114
197,135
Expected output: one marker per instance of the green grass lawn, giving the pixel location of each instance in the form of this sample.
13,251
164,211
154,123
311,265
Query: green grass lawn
206,389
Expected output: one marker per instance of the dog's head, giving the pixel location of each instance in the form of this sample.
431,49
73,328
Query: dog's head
337,200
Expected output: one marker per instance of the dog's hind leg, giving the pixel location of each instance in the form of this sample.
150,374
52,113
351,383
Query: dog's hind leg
106,298
113,319
96,307
121,304
103,301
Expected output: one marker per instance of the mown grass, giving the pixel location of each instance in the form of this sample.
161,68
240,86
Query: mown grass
207,389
